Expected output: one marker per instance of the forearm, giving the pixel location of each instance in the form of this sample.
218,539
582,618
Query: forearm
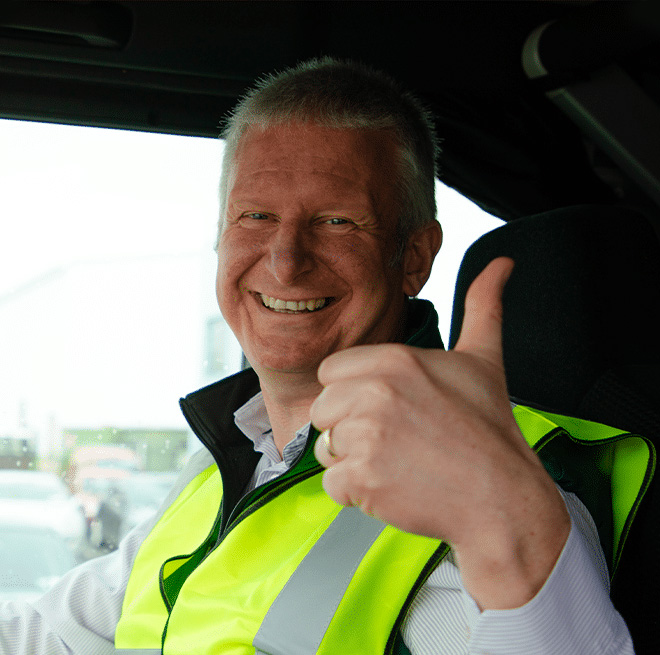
514,547
571,614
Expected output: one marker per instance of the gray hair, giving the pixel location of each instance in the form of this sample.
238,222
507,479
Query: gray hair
346,95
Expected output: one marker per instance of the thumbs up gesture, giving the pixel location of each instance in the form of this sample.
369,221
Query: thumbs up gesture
425,440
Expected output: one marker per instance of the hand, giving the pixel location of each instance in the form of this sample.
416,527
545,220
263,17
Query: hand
425,440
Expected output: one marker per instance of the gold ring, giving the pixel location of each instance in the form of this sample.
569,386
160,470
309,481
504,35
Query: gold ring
325,437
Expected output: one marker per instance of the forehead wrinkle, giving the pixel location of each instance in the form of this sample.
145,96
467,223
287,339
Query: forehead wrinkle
329,191
361,158
294,169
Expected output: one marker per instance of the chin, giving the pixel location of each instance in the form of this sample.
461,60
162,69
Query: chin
293,364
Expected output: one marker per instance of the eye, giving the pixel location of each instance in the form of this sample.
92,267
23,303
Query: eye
254,219
338,221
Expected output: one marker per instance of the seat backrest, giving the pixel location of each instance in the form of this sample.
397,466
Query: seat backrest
581,327
581,336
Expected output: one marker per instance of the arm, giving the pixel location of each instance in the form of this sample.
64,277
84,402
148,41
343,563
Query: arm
574,597
79,614
426,441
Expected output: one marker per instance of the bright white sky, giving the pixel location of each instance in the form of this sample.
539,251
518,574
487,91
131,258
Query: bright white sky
72,195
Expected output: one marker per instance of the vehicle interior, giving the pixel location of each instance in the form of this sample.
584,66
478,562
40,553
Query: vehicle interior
549,115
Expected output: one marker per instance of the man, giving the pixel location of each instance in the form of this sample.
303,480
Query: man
433,527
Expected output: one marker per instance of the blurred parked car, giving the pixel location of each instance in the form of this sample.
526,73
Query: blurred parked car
33,558
113,457
144,494
128,502
42,497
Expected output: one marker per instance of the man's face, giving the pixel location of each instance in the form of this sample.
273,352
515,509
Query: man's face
304,255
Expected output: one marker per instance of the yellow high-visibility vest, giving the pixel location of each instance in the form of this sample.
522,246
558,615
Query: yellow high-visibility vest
294,572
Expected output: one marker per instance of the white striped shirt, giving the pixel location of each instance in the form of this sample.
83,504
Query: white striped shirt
572,613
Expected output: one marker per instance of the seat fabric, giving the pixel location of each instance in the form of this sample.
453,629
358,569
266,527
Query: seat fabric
581,330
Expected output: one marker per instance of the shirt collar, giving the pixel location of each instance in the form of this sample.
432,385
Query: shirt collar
252,420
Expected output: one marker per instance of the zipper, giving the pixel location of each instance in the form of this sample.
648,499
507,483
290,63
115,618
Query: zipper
255,499
246,506
263,494
278,488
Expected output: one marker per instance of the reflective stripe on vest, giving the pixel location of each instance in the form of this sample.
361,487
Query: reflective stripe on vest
225,602
138,651
333,559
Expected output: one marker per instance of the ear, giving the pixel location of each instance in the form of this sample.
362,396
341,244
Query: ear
421,249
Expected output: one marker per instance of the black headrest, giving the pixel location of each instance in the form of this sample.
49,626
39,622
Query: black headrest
581,331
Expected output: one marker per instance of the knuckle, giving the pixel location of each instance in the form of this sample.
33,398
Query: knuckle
369,451
368,486
401,355
380,390
405,360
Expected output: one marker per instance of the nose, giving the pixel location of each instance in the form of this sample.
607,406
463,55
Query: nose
290,254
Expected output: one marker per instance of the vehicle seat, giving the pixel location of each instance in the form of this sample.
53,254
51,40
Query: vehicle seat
581,331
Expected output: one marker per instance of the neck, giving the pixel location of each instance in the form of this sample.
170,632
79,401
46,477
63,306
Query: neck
288,399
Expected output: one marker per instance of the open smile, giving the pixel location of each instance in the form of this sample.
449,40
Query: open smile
294,306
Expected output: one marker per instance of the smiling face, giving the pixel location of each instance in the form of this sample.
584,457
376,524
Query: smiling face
305,251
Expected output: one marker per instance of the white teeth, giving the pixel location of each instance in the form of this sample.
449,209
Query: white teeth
292,305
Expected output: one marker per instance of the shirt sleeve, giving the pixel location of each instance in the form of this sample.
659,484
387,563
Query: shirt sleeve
572,613
79,615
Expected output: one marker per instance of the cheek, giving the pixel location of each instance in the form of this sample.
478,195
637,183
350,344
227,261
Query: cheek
357,260
228,294
381,294
235,258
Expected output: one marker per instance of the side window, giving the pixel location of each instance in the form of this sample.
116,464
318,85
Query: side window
462,222
106,293
107,316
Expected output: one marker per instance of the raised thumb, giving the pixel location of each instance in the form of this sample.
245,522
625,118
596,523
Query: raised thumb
481,331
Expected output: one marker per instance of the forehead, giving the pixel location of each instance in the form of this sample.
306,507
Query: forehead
344,159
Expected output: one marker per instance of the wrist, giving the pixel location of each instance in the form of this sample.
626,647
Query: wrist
506,564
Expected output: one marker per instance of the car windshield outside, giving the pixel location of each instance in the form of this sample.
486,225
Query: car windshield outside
108,316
